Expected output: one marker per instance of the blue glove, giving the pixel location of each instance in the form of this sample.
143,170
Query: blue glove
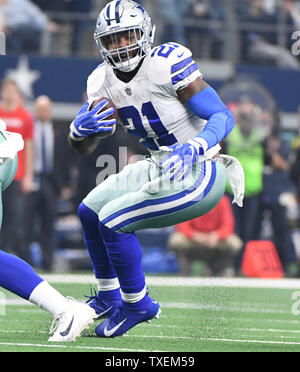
92,122
183,157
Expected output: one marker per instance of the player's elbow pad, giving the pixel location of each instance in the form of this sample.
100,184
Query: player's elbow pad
220,121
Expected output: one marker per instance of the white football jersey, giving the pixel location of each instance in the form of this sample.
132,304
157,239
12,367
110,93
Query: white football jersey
148,105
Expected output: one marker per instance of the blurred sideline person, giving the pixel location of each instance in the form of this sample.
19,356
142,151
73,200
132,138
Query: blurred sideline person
295,164
41,202
18,277
246,144
172,12
24,25
209,238
162,99
260,45
18,120
276,186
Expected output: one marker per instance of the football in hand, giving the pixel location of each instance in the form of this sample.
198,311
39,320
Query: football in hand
110,117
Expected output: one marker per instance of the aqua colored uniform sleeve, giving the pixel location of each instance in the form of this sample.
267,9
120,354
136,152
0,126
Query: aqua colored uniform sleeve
220,121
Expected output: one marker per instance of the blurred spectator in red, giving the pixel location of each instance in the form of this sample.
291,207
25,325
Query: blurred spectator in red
18,120
209,238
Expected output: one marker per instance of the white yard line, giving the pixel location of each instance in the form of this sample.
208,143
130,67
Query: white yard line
187,282
259,330
221,308
77,347
250,341
244,341
175,305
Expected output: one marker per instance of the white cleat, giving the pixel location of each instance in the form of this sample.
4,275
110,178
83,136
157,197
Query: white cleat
66,327
158,314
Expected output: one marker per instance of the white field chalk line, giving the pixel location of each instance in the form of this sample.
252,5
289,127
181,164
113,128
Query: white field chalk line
75,347
176,305
187,282
139,350
260,330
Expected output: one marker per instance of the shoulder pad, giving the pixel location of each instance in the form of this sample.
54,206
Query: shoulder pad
167,59
96,80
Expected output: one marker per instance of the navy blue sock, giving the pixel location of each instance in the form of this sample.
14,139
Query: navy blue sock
102,266
126,256
17,276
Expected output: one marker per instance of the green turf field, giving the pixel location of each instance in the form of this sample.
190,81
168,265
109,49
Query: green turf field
197,315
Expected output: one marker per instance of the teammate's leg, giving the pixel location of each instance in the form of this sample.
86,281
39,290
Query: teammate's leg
19,278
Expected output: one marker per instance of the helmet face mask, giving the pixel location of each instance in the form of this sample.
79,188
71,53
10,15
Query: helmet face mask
124,34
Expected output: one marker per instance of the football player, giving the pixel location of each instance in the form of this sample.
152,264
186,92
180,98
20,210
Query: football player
70,317
162,98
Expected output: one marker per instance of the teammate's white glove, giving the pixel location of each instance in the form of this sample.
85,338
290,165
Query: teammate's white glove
92,122
183,157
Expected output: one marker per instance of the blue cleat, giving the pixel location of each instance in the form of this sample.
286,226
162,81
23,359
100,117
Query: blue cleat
103,308
128,316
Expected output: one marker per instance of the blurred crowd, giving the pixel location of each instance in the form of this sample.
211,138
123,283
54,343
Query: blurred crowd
254,31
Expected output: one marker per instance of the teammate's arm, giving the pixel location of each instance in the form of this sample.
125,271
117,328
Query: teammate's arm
29,160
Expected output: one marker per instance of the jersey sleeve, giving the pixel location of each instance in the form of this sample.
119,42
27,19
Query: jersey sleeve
172,66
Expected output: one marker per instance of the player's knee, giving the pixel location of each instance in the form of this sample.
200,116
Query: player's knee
81,211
